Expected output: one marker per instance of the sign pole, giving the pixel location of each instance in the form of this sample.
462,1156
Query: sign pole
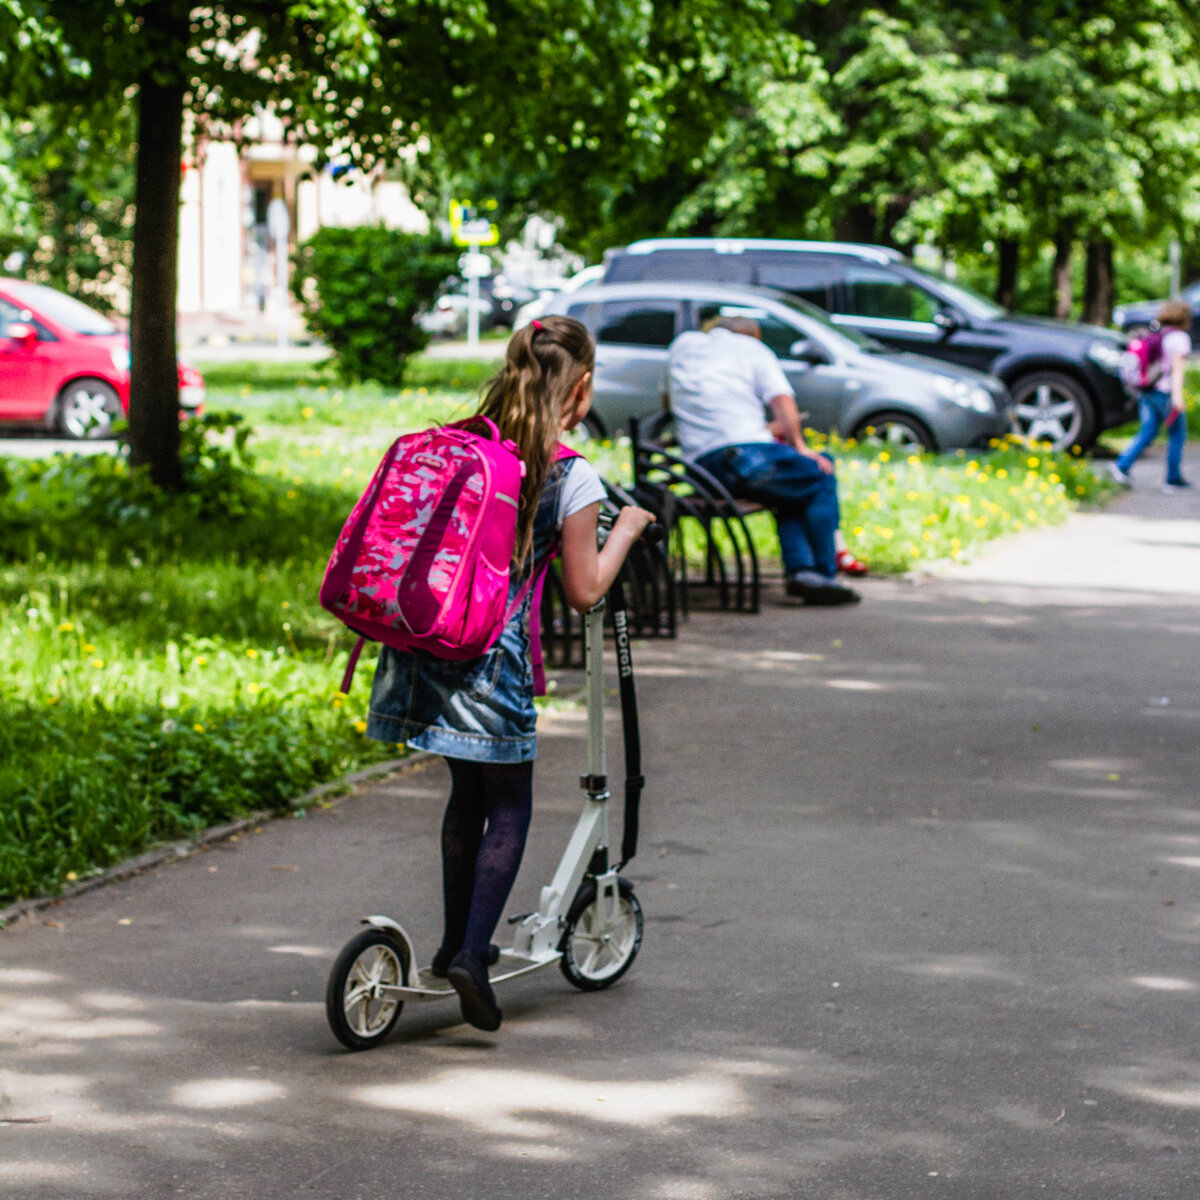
473,302
279,222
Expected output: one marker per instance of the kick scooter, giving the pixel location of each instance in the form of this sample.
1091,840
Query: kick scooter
588,919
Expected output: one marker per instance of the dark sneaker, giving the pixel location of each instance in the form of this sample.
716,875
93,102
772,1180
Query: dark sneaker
469,978
443,958
1178,485
813,588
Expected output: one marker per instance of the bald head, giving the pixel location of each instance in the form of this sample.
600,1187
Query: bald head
746,325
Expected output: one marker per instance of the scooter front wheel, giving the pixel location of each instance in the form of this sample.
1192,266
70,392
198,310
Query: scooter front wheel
359,1003
597,947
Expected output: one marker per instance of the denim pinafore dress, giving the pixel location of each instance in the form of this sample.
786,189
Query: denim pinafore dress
480,709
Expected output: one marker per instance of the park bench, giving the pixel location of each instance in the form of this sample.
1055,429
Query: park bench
650,596
682,494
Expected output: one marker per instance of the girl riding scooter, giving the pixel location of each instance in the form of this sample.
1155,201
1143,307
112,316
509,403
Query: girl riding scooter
480,713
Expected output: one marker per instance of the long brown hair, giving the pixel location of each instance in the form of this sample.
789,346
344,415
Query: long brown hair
545,360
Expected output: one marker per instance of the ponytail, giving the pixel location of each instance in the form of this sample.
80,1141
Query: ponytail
545,360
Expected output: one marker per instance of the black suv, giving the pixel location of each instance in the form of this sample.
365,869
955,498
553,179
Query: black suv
1065,378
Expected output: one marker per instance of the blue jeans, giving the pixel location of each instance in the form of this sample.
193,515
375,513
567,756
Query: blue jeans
802,498
1153,407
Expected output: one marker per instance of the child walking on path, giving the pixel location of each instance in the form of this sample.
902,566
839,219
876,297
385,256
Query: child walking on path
480,713
1162,401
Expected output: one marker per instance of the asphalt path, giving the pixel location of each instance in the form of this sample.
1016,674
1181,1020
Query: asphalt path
922,916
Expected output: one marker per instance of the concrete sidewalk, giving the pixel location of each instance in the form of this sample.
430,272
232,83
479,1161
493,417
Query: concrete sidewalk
1142,543
922,911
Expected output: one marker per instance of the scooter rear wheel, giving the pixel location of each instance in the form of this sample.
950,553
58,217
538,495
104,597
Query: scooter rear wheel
596,951
361,1012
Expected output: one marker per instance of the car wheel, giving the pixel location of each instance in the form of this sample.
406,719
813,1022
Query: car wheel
87,409
1054,408
896,432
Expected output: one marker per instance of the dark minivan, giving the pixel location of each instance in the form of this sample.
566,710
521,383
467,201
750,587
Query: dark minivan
1065,378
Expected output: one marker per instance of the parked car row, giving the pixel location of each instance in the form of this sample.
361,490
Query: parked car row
846,381
497,304
1064,378
64,367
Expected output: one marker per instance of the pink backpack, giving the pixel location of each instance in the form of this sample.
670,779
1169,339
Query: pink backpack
1142,363
423,561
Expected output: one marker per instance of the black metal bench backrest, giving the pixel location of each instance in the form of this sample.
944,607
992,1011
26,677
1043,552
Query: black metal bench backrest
650,594
674,489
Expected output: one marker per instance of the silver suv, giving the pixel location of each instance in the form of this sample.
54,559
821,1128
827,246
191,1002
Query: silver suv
845,381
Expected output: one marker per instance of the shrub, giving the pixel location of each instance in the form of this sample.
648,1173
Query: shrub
360,290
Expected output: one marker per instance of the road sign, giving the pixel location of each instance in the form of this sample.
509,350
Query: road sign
476,233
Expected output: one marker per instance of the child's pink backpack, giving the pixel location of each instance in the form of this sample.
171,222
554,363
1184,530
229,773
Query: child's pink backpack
1142,363
423,561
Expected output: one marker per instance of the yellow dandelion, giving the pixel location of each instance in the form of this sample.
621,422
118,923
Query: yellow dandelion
198,727
97,663
66,627
251,653
253,688
292,495
200,660
360,726
884,456
306,412
1033,463
89,648
1001,474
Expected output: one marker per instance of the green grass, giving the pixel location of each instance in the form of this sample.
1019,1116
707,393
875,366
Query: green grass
164,664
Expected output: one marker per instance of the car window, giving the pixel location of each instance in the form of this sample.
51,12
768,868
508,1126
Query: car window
683,265
873,292
9,313
637,322
64,309
811,279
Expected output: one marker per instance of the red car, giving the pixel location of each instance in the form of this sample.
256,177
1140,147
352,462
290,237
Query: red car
65,367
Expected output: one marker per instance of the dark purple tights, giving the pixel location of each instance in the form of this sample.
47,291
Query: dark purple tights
483,838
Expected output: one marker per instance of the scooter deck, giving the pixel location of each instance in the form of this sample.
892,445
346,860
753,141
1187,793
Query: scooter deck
429,986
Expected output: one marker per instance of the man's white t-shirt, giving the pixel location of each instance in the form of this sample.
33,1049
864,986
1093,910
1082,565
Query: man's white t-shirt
720,383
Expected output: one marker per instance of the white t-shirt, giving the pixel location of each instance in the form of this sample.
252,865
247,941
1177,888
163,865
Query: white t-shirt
720,384
1175,343
581,487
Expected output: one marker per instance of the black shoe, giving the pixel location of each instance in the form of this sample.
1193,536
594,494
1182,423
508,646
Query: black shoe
443,958
813,588
469,977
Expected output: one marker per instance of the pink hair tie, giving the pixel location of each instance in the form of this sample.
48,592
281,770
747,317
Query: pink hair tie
537,326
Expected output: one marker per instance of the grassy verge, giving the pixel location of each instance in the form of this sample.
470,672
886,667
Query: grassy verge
165,665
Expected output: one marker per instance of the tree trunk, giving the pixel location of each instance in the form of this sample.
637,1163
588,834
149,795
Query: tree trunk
154,376
1006,272
1100,290
856,223
1063,299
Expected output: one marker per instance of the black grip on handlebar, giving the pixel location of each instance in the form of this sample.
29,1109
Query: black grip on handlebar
654,534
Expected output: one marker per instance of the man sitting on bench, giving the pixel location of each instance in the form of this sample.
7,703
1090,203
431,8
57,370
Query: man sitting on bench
721,382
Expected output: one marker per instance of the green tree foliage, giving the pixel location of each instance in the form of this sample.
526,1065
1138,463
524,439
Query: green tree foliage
581,101
963,125
76,186
360,290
